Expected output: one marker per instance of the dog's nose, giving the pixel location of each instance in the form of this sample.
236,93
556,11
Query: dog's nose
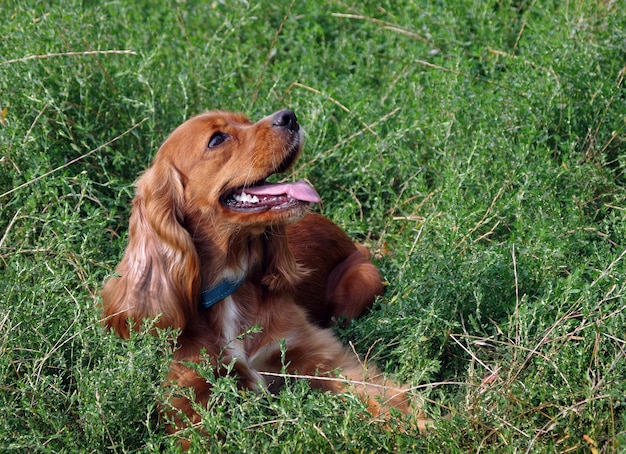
286,119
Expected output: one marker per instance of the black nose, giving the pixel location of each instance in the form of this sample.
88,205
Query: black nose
286,119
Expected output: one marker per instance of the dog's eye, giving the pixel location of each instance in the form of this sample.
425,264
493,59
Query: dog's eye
217,139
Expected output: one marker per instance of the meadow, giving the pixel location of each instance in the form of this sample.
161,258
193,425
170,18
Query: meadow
477,147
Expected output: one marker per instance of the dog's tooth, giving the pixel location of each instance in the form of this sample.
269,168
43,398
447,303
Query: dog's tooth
244,197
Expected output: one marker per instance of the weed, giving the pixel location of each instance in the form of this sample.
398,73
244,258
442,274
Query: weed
477,147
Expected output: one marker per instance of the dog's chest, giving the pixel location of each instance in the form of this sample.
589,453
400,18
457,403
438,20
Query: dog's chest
237,334
231,324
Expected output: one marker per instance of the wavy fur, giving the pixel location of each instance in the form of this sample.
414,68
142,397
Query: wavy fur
300,271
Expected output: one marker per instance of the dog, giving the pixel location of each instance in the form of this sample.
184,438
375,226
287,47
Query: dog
215,250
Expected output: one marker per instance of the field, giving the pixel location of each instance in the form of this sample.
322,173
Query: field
478,148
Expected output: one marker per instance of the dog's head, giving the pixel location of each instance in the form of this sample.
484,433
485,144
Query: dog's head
222,161
196,208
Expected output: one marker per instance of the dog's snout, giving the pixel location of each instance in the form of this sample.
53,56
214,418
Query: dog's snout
285,119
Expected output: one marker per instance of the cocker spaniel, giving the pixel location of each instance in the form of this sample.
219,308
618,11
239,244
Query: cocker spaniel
214,250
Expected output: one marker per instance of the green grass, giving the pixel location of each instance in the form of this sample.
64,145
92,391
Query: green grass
478,147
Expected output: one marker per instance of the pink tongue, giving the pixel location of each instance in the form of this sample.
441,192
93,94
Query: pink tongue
300,190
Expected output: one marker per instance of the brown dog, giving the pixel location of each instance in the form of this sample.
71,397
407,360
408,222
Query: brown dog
215,250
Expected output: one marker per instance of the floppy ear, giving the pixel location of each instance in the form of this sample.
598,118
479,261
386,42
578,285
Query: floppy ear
158,276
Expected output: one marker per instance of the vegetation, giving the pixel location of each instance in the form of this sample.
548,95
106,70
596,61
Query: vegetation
478,147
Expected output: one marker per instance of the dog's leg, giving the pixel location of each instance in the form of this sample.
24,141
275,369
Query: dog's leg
318,355
186,390
379,393
353,284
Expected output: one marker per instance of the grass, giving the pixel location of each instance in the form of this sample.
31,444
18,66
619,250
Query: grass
478,147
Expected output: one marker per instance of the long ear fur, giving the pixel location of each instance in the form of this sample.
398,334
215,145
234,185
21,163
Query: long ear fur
159,273
281,268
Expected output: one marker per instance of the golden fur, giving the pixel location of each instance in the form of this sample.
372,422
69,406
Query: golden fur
299,270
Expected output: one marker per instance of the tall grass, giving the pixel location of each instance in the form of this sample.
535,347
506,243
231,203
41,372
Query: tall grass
477,147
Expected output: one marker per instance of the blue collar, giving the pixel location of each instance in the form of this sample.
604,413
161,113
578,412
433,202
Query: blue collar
212,295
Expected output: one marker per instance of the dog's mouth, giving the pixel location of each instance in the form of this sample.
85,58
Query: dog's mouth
262,196
271,196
